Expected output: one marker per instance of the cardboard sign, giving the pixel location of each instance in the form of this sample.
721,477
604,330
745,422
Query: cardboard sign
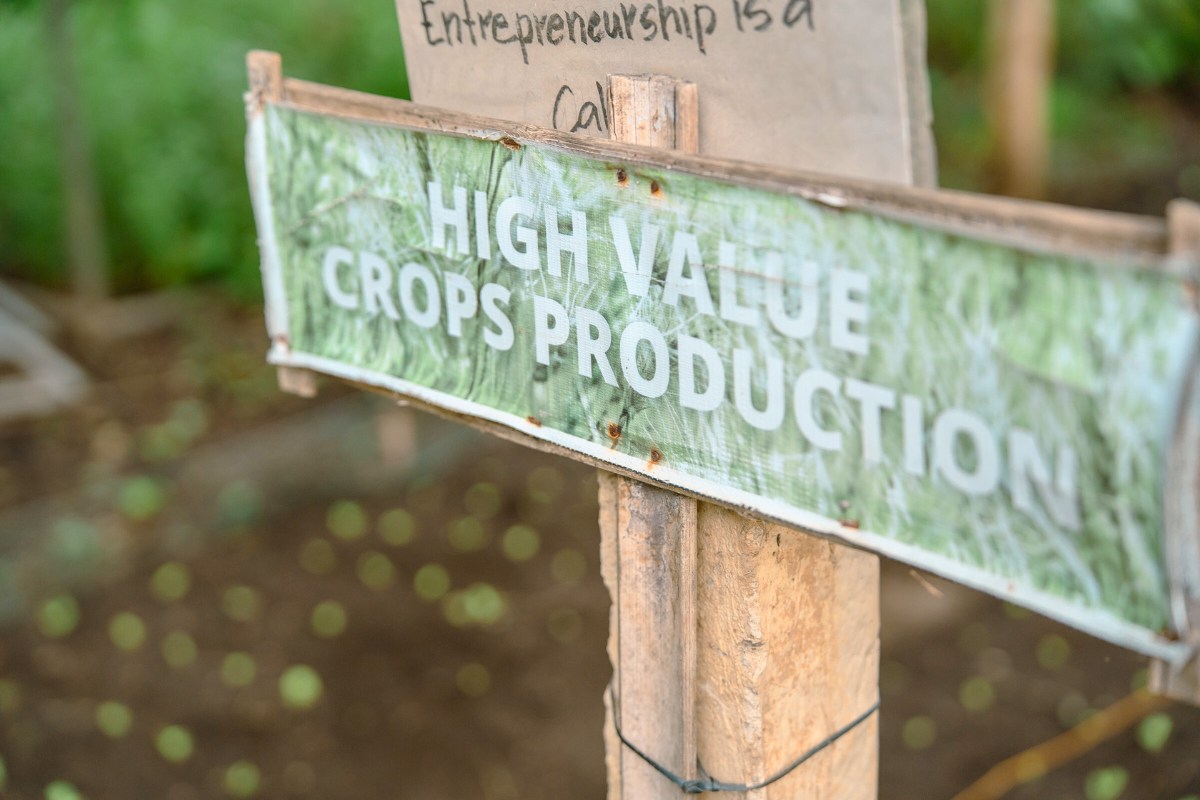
978,387
782,65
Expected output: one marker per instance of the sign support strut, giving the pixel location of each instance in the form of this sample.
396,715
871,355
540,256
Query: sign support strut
736,644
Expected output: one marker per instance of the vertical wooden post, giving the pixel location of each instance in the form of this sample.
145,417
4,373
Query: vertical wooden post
648,543
265,72
922,153
648,537
1021,36
85,224
736,645
789,654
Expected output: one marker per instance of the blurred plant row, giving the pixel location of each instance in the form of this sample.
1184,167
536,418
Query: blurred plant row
161,82
161,87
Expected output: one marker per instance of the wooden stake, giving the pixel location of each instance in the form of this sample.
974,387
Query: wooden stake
265,72
789,654
736,644
922,152
1182,491
86,252
648,537
300,382
648,560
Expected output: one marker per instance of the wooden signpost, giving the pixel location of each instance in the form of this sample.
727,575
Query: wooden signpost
719,665
777,88
1000,392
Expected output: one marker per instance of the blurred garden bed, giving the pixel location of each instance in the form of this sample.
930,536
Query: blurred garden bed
212,589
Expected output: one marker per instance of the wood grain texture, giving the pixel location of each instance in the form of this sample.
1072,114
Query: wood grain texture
789,633
787,629
654,111
648,538
1181,498
265,72
1029,226
609,534
300,382
920,104
1021,35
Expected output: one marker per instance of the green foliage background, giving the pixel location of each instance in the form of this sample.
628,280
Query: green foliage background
161,84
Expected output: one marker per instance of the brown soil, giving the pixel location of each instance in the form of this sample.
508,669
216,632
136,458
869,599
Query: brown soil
491,689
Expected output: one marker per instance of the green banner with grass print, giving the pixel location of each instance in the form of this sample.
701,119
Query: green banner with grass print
997,416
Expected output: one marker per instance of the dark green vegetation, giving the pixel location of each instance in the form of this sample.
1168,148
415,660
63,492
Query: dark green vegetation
1123,110
161,81
161,85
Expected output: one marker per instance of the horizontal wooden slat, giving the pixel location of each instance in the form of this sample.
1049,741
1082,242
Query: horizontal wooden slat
1023,224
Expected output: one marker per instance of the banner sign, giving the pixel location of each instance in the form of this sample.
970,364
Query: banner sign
999,415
